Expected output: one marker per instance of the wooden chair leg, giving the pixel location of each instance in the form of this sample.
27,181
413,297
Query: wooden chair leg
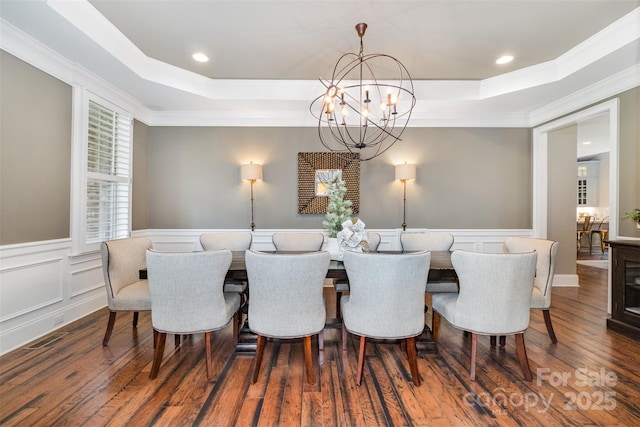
363,345
135,319
207,346
345,336
236,326
259,354
110,323
472,369
157,355
522,356
435,324
413,360
155,339
547,322
492,341
308,360
338,297
503,340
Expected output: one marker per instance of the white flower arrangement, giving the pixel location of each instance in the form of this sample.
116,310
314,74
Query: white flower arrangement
352,237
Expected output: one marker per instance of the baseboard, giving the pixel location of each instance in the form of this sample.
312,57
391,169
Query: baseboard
11,339
565,281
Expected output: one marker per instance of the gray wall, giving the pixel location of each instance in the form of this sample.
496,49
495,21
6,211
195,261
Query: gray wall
629,162
466,178
189,177
35,153
562,195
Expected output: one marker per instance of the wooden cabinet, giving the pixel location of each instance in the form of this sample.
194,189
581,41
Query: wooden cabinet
625,287
588,174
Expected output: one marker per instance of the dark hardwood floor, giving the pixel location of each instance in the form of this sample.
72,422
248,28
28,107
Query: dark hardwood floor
590,377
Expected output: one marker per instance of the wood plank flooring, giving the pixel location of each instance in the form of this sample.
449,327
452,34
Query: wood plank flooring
590,377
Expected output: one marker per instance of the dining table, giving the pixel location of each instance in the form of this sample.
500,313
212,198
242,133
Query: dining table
440,270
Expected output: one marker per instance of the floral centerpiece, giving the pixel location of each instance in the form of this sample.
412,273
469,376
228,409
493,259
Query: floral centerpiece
338,209
352,237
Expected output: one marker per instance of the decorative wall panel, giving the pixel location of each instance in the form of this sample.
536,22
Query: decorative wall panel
309,200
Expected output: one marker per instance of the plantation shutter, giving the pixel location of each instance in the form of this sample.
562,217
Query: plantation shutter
108,174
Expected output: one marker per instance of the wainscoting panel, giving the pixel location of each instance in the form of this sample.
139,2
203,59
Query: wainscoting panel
30,286
86,276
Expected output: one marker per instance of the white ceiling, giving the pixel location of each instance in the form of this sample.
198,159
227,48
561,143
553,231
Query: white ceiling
266,56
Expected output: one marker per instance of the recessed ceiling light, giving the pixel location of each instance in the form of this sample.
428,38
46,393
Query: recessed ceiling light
504,59
200,57
586,143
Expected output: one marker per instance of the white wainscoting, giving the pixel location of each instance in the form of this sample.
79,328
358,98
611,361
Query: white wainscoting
42,287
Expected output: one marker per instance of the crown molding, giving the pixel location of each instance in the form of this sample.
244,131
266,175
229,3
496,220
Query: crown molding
289,94
611,86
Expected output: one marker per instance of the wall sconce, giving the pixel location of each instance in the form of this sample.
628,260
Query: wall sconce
405,172
251,172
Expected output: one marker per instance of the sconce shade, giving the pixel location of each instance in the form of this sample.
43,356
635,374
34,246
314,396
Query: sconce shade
405,172
251,172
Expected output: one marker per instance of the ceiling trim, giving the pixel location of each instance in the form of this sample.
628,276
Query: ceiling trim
289,114
92,23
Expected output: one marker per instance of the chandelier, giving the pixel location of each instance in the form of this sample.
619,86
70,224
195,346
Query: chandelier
359,113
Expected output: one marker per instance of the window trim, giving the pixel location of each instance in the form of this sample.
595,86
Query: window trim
79,172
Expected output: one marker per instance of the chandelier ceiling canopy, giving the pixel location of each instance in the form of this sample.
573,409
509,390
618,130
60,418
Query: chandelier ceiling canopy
358,113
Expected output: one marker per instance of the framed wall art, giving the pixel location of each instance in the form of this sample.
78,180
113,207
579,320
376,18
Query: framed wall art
317,170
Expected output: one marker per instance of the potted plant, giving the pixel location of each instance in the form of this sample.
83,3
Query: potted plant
634,215
338,211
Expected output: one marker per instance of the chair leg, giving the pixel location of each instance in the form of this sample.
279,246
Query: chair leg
503,340
472,369
157,355
207,346
522,356
338,297
236,326
110,323
135,319
492,341
344,337
435,324
155,339
363,344
176,340
308,360
259,354
547,322
413,360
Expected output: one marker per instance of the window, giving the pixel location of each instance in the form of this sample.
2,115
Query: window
108,174
104,163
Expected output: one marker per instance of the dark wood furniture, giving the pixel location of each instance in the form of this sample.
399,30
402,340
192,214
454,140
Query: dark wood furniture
625,287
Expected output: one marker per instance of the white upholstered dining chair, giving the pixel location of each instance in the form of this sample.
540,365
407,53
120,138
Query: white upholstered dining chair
297,241
122,261
545,269
187,297
494,299
287,300
385,301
